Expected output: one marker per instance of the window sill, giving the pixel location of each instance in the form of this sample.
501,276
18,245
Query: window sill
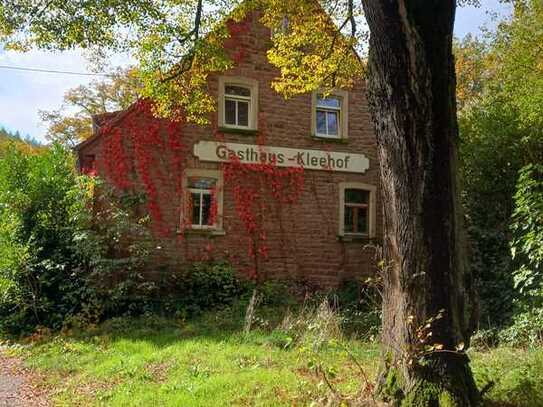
355,238
202,232
330,140
243,132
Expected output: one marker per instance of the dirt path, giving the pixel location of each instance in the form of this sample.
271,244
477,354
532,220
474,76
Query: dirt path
17,385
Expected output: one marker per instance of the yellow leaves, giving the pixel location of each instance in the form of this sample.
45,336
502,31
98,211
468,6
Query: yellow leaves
311,54
473,66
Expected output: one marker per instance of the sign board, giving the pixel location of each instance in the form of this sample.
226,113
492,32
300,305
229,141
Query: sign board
215,151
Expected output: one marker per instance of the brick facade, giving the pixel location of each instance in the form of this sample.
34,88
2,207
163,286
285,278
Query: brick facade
302,238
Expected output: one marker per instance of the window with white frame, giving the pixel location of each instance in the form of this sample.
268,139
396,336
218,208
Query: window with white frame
237,105
203,199
357,210
281,27
328,116
238,99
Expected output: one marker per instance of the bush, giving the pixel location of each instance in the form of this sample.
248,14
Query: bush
527,243
203,286
490,137
277,293
70,256
360,304
526,329
42,209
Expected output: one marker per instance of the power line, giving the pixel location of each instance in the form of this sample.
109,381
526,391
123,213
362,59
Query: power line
20,68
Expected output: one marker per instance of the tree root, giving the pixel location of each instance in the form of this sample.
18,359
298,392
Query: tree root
441,382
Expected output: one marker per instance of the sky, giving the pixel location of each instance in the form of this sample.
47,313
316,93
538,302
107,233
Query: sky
24,94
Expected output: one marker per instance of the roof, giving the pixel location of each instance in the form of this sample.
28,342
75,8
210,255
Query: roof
99,120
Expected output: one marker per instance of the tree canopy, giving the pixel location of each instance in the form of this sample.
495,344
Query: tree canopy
500,92
72,122
8,138
178,43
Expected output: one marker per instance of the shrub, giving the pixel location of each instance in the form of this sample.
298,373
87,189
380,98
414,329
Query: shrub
203,286
527,243
526,329
42,209
277,293
360,304
73,252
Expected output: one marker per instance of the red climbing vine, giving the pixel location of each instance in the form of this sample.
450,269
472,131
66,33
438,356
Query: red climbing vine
141,151
254,187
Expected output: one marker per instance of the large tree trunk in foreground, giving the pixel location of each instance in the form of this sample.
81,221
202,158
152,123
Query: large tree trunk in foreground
412,98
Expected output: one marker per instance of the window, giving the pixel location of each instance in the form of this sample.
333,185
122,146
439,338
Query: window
238,103
281,27
87,164
357,210
203,206
330,115
355,217
201,201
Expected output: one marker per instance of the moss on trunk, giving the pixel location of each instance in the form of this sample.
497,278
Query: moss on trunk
437,382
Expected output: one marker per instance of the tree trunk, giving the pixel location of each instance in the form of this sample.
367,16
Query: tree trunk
429,304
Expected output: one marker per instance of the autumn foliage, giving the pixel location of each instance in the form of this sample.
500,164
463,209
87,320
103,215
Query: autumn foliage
141,153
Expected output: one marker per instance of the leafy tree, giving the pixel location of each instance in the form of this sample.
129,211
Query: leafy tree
428,298
528,234
474,68
8,138
115,93
519,63
501,132
40,207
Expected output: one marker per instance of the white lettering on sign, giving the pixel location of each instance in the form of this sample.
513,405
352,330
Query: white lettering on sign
281,156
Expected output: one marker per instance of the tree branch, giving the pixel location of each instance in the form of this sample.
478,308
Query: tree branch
186,62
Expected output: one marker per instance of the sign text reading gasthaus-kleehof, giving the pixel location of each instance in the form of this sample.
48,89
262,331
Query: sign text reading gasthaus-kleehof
281,156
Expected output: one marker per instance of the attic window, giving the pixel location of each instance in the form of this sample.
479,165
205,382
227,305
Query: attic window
330,115
281,28
238,103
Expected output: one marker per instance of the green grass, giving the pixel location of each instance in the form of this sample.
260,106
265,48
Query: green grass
209,362
517,374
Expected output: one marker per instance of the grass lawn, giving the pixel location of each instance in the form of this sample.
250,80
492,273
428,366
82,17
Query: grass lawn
209,362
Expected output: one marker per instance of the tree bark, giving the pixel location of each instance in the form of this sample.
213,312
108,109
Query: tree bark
411,90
